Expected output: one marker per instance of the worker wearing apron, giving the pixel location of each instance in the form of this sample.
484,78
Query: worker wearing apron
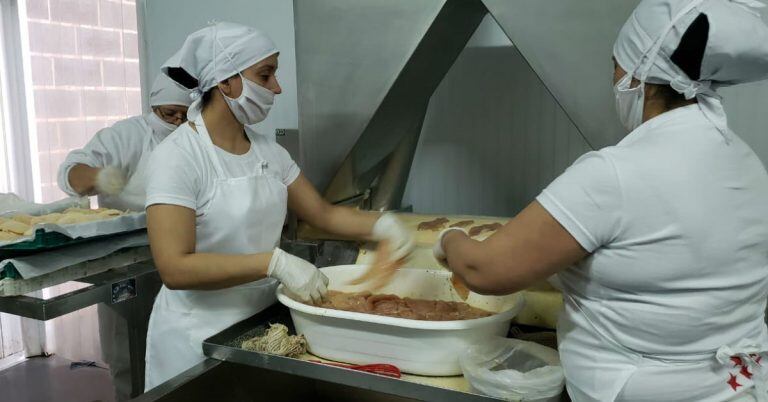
113,166
660,242
217,201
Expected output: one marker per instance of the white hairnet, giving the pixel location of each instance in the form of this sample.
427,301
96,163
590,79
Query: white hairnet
736,50
220,51
166,91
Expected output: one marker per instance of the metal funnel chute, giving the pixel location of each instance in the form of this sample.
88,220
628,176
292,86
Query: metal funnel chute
366,72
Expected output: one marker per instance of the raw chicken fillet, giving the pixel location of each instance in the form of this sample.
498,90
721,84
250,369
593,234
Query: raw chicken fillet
395,306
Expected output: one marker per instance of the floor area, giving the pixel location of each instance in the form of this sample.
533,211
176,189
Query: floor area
45,379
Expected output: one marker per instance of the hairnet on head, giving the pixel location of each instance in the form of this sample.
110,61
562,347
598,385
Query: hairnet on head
735,52
166,91
219,51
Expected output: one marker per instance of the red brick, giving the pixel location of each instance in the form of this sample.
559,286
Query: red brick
104,103
42,70
110,14
131,45
133,102
92,126
50,38
47,135
129,16
73,134
81,72
98,42
45,166
53,103
114,73
132,73
37,9
81,12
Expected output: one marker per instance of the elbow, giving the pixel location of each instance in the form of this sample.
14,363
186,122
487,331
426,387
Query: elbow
171,275
494,282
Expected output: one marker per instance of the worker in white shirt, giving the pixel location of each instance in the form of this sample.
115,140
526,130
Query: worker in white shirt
113,166
217,201
661,241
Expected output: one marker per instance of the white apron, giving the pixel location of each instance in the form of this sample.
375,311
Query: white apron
625,375
245,215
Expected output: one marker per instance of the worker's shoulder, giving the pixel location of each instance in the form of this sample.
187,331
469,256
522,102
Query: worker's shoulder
182,142
132,125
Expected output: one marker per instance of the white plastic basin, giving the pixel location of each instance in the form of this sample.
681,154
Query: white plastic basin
429,348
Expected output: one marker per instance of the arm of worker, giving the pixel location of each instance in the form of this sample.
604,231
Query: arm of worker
101,165
576,214
171,231
529,248
312,208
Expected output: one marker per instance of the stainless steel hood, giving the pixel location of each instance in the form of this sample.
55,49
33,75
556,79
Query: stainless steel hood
366,72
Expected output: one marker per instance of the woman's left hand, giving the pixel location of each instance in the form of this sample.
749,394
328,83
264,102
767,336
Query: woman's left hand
400,239
438,250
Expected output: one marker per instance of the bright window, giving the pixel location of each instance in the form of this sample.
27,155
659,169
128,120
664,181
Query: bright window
84,62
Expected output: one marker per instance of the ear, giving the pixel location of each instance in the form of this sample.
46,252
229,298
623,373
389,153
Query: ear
225,88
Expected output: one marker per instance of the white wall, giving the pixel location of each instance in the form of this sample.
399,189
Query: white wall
167,22
493,136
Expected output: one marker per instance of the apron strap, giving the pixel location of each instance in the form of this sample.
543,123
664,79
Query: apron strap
209,146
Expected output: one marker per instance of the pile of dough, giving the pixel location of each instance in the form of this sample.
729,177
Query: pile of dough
16,226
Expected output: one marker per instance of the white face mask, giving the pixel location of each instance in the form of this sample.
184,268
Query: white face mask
160,126
629,102
253,104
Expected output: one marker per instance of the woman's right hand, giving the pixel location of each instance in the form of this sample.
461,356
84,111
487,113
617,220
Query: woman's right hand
300,277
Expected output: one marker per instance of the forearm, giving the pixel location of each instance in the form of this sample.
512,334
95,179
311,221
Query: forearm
82,179
204,271
345,221
481,268
352,222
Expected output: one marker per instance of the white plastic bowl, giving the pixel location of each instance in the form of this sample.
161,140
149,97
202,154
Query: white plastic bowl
429,348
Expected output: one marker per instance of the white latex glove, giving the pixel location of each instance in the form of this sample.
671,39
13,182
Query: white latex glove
389,228
299,276
437,249
110,181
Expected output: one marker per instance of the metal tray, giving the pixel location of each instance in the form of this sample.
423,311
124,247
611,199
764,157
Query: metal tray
225,346
44,241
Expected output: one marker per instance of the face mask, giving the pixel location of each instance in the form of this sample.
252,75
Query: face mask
629,102
253,104
160,126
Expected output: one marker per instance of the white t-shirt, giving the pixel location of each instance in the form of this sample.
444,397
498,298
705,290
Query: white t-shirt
181,171
677,224
120,145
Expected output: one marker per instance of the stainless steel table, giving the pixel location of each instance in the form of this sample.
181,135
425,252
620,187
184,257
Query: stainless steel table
128,288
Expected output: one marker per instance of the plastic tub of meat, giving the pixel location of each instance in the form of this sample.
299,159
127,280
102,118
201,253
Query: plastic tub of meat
429,348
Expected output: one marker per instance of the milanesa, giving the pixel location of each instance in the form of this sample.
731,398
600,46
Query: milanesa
395,306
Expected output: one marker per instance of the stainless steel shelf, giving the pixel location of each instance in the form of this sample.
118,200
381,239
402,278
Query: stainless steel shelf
225,347
99,291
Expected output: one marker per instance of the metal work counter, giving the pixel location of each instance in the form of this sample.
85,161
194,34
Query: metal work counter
225,346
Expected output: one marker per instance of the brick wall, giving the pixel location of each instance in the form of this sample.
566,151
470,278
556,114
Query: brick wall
85,75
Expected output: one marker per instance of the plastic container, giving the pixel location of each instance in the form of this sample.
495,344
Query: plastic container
429,348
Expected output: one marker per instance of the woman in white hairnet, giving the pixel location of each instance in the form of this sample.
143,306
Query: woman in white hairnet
113,166
113,163
660,242
217,201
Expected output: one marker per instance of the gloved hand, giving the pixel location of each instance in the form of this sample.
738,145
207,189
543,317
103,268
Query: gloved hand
437,249
298,275
110,181
389,228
